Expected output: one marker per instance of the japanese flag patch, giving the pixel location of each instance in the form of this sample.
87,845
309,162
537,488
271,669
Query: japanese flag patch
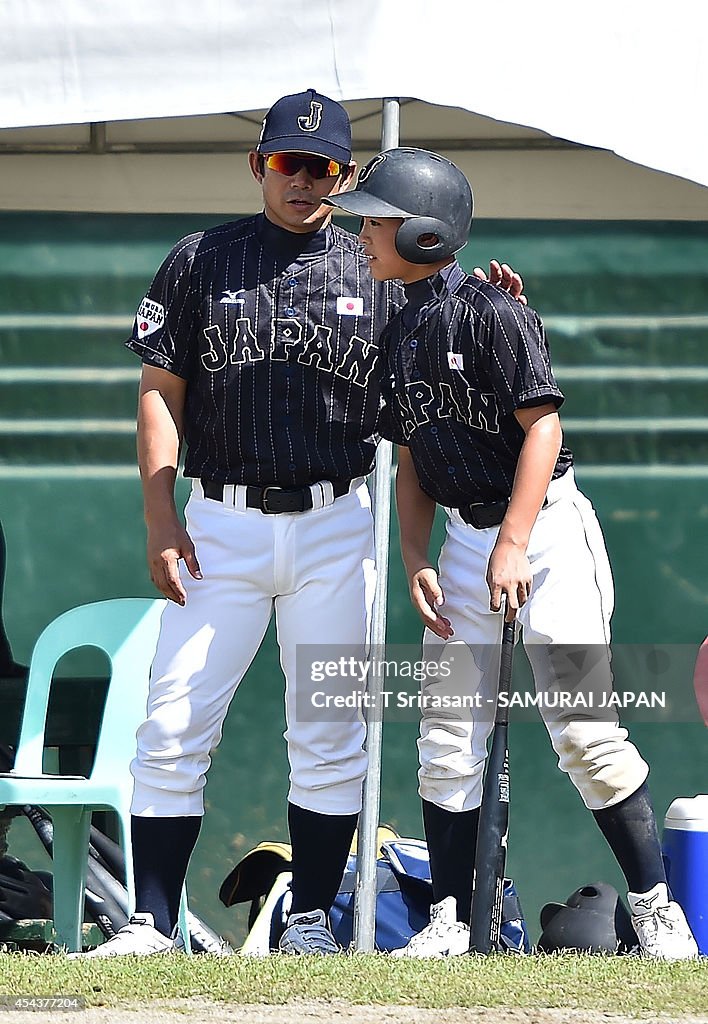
455,361
150,317
347,306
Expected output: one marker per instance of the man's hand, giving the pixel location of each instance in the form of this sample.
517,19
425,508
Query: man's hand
166,544
427,596
508,575
503,276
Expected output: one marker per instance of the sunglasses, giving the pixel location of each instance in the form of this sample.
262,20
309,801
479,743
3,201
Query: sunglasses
316,166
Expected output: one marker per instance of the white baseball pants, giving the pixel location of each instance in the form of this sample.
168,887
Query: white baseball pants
571,602
316,569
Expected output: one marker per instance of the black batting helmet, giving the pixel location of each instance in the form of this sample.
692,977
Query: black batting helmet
593,919
428,191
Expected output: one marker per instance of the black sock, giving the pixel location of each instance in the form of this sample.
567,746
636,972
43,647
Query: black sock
321,844
161,851
630,829
452,839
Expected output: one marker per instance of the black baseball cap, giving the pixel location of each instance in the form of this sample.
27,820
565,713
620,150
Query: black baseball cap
307,122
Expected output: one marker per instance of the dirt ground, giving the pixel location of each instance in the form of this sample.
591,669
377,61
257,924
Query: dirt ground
334,1012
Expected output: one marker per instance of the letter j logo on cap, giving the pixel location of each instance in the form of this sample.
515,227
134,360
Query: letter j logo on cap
312,122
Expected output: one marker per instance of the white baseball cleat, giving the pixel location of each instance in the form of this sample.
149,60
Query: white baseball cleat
444,936
139,937
661,925
308,934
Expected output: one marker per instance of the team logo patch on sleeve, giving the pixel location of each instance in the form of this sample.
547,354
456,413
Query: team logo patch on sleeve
150,317
455,361
348,306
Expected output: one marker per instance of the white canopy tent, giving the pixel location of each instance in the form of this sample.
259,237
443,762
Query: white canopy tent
525,95
626,77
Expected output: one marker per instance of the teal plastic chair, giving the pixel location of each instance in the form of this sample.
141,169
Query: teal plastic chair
126,629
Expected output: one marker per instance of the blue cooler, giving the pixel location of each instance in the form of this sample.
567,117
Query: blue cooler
685,849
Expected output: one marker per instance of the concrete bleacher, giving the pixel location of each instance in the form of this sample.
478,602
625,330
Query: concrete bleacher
625,306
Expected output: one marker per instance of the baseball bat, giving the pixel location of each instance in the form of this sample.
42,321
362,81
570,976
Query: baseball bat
110,854
493,832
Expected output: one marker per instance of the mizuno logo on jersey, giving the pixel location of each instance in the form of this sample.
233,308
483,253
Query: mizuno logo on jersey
232,298
455,361
347,306
150,317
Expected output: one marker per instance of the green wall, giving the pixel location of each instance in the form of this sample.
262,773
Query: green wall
631,298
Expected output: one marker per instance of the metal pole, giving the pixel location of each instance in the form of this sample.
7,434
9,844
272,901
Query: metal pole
365,896
391,124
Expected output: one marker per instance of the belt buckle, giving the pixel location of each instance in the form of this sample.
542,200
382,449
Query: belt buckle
482,515
470,515
264,499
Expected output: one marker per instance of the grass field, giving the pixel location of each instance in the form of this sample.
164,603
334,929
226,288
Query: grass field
612,985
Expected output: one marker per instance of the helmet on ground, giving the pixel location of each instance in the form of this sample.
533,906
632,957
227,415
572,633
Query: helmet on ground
593,919
431,194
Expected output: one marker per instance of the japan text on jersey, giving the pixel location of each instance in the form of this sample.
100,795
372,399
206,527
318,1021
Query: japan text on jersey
277,337
460,359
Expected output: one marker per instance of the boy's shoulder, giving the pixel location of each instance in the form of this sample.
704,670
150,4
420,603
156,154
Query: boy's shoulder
493,305
487,299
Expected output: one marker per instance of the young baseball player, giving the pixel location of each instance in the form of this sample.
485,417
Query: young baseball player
474,407
258,342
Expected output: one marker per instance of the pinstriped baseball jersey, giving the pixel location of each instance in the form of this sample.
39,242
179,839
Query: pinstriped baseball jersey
276,335
459,358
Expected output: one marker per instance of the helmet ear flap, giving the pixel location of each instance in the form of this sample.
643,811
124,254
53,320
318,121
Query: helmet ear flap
410,233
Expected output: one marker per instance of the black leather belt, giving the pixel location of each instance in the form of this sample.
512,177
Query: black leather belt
482,516
273,499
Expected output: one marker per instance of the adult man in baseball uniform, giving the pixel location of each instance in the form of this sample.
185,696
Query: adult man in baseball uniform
474,403
258,340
